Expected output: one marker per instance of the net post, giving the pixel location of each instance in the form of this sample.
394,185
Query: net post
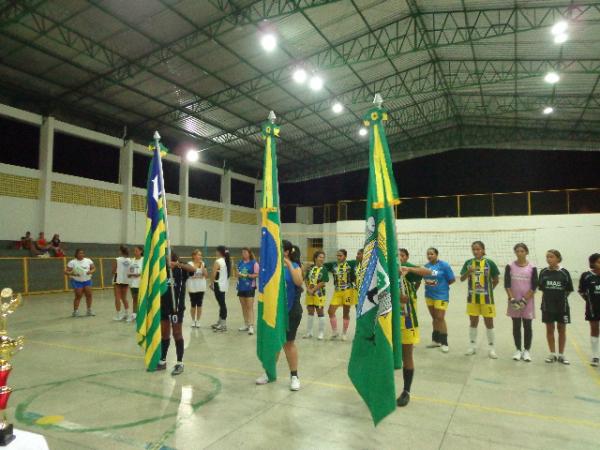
458,205
568,202
493,206
66,286
102,272
528,203
25,276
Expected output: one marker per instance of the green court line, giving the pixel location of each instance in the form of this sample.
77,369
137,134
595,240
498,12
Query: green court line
133,391
587,399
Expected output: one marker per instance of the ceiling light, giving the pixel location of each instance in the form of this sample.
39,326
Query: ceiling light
548,110
337,107
559,28
551,77
299,76
192,155
268,42
316,83
560,38
363,131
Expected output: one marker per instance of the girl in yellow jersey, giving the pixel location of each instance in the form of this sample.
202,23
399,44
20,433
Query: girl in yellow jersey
344,295
315,281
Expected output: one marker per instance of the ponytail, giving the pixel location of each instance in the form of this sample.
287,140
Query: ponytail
224,252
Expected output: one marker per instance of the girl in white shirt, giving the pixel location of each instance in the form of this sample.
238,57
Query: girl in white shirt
196,286
80,270
220,283
135,273
120,270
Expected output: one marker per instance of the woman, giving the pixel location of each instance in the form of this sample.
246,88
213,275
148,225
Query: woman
171,313
120,271
80,270
293,287
437,297
343,272
482,274
316,279
55,247
412,277
556,285
247,270
589,289
219,283
196,286
520,282
135,273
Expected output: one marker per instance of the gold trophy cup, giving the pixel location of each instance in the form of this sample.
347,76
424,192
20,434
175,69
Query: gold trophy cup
9,302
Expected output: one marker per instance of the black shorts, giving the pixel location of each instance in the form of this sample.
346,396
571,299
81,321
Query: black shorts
559,317
294,318
166,310
246,294
196,299
134,290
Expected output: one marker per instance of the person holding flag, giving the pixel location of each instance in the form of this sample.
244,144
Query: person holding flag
377,349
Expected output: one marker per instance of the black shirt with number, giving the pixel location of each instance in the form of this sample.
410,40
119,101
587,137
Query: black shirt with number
178,280
589,288
556,286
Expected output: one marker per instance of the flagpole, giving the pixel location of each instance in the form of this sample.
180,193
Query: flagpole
168,255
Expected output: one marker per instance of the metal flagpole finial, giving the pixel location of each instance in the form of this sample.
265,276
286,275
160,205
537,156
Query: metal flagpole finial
378,100
156,135
272,116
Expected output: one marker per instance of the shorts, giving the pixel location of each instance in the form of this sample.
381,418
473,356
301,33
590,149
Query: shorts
134,290
166,310
558,317
315,300
294,318
410,336
122,285
196,299
437,304
485,310
246,294
80,284
347,297
592,311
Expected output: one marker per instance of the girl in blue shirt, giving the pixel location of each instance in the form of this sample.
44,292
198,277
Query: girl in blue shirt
247,270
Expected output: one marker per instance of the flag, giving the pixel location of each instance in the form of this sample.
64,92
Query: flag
153,280
377,348
272,302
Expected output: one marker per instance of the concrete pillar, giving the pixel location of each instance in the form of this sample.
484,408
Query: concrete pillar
184,196
46,157
258,195
126,180
226,200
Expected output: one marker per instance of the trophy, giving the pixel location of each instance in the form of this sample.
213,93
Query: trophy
9,302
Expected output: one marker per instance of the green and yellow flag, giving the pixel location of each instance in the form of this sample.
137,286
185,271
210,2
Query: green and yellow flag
272,303
153,281
377,347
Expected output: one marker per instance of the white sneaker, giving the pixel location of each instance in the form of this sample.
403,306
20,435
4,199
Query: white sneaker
294,384
250,330
321,336
595,362
307,336
129,318
344,337
118,317
263,379
526,356
518,355
133,317
470,351
492,354
334,336
444,349
75,313
244,328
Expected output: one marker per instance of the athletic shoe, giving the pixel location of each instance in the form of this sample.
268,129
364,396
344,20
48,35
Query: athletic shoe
294,383
244,328
551,358
307,336
215,325
75,314
129,318
470,351
162,365
334,336
518,355
118,317
321,336
134,316
221,328
90,313
250,330
526,356
563,360
595,362
434,345
444,349
403,399
344,337
492,354
178,369
263,379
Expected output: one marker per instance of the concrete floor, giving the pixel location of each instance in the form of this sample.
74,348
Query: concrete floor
81,383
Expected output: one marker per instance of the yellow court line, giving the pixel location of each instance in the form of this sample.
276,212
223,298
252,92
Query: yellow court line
593,373
439,401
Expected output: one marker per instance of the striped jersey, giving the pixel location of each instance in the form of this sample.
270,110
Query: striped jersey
343,274
480,289
316,275
409,309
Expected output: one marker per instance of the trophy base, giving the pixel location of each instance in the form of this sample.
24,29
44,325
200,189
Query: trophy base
6,435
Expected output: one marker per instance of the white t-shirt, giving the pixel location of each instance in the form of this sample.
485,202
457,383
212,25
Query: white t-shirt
135,268
223,280
81,268
197,282
122,270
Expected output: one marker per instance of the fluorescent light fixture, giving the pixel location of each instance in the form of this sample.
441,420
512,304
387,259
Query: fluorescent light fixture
363,131
192,155
316,83
337,107
559,28
299,76
268,42
548,110
551,77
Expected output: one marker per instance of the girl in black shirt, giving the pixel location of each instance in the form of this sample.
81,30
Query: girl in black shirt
589,288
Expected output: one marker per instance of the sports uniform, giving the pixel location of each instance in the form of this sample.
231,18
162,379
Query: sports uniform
412,277
556,286
437,285
80,269
315,276
409,322
480,297
589,288
343,281
246,286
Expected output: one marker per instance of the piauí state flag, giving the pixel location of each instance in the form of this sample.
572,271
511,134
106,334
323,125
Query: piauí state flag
272,303
377,347
153,280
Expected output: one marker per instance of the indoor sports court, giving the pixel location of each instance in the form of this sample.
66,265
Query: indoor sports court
310,224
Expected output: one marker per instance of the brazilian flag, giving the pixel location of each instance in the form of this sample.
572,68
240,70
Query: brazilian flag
272,303
153,280
377,348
